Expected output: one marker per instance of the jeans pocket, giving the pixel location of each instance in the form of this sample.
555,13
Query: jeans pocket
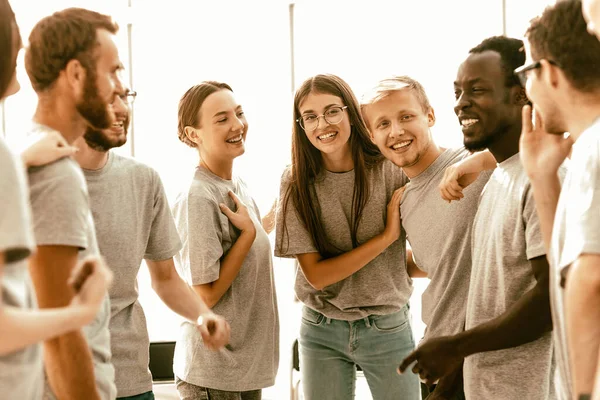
391,322
312,317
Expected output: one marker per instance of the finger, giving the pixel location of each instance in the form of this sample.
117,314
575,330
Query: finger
66,151
235,199
412,357
81,273
526,118
538,122
226,210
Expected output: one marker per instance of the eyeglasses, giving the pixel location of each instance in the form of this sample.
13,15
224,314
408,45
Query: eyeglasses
310,122
523,70
128,96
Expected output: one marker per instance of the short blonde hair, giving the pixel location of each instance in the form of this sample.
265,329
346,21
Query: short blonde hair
393,84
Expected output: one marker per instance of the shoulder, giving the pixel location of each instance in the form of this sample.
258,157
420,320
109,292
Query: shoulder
133,166
63,174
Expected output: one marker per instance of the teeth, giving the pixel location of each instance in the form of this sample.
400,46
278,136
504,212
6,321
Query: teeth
468,122
401,144
234,139
327,135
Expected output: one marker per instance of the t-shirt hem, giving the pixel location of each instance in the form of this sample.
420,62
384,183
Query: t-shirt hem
587,248
231,386
537,252
79,242
165,255
134,392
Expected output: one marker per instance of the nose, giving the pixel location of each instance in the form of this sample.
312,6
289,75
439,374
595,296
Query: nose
238,124
461,103
397,129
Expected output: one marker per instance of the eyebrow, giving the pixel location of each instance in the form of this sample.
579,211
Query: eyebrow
220,113
403,111
471,81
326,107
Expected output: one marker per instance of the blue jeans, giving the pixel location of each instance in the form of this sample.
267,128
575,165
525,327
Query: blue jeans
143,396
330,349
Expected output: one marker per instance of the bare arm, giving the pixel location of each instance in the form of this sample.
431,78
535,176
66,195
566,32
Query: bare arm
212,292
173,291
23,327
320,272
582,311
268,221
67,358
460,175
183,300
411,266
526,320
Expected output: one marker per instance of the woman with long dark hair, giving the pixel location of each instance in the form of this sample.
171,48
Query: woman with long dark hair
339,217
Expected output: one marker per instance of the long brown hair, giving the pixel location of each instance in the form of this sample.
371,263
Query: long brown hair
307,164
10,43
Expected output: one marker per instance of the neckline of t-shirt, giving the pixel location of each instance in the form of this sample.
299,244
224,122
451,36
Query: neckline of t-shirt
434,167
338,174
100,171
210,174
509,161
587,133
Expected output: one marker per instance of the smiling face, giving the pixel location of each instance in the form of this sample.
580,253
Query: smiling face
116,135
483,102
329,139
223,127
399,126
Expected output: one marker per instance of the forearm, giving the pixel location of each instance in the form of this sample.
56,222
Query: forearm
69,367
324,272
181,298
582,311
546,192
527,320
230,267
412,268
479,161
20,327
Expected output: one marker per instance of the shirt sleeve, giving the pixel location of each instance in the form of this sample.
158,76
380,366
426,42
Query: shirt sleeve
291,236
60,205
205,236
164,241
16,235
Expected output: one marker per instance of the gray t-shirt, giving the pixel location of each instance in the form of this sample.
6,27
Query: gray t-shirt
61,216
21,372
133,222
249,305
576,231
382,286
506,235
440,237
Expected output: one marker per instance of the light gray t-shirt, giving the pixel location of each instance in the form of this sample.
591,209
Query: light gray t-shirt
249,305
440,237
576,231
21,372
61,216
506,235
382,286
133,222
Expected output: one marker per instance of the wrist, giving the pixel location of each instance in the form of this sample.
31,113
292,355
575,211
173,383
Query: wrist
250,231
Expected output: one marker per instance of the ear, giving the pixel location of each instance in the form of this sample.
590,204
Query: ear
75,74
553,75
431,117
192,134
519,96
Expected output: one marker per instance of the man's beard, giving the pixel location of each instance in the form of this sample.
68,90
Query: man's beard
486,141
100,141
92,107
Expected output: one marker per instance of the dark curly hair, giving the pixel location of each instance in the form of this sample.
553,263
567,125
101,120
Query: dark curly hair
511,53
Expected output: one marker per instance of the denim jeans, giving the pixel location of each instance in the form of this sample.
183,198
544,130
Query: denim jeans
143,396
187,391
330,349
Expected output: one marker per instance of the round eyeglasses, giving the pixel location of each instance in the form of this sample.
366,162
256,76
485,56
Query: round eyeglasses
333,115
